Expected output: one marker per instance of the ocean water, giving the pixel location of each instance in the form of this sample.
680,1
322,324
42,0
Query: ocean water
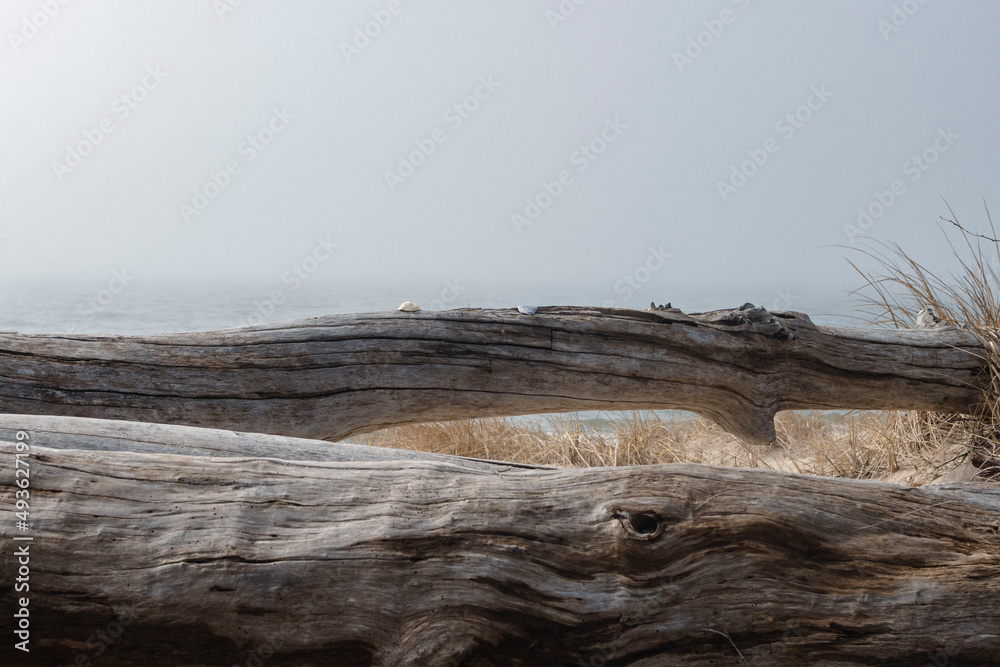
138,310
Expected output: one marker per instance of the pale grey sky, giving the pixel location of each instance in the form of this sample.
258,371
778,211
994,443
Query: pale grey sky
671,148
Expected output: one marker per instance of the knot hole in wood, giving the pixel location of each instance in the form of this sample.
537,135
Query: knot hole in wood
642,525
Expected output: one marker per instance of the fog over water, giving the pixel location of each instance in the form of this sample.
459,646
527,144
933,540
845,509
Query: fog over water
171,166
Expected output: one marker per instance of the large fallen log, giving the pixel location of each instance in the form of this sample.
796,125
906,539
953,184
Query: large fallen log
332,377
170,559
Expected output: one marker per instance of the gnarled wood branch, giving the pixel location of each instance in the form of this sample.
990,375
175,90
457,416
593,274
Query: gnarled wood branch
332,377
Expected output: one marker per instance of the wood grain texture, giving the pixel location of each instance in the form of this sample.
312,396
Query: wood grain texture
332,377
227,561
125,436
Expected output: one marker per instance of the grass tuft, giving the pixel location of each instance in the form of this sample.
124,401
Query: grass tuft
966,297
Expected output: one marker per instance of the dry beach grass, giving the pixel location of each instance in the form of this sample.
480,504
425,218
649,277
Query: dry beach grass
904,447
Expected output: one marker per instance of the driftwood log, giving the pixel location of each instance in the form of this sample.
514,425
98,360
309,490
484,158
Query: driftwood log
156,557
123,436
336,376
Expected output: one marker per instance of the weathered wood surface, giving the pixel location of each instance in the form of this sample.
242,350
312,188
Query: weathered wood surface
166,559
125,436
332,377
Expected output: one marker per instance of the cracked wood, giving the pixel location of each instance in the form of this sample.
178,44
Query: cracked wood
336,376
206,560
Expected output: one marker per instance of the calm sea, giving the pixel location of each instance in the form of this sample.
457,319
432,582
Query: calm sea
111,309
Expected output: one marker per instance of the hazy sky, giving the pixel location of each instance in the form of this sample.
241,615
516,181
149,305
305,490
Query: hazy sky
631,151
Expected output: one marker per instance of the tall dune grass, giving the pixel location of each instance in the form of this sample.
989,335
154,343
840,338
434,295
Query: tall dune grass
965,297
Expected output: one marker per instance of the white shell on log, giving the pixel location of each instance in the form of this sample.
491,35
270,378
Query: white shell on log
527,310
927,318
408,306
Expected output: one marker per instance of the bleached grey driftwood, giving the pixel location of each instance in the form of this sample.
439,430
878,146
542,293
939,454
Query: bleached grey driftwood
126,436
332,377
197,560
